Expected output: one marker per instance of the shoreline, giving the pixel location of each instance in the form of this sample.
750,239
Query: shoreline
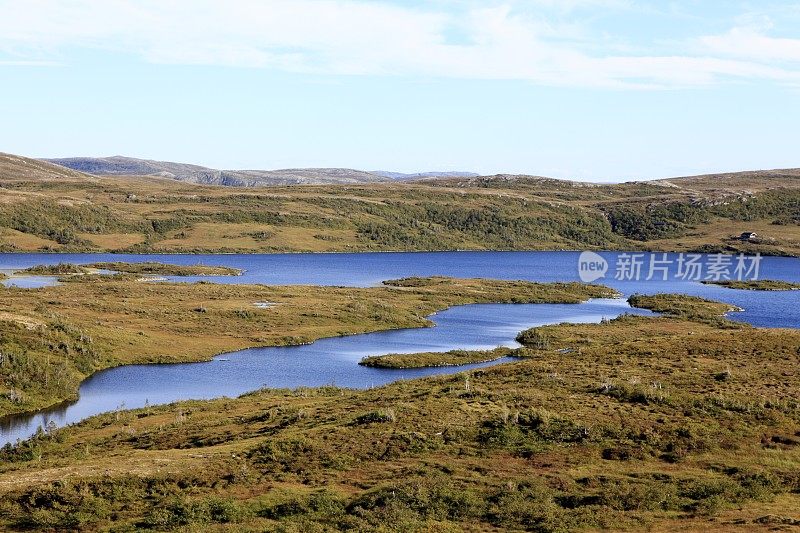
207,358
436,251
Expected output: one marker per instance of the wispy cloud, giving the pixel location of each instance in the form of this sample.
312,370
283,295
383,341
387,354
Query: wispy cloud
753,44
349,37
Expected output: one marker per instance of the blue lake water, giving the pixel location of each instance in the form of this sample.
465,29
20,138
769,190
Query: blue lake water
334,360
331,361
765,309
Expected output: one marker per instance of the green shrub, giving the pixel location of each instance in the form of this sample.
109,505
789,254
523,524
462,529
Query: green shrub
376,417
424,498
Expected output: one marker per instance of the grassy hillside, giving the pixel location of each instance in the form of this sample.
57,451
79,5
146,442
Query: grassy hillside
658,424
149,214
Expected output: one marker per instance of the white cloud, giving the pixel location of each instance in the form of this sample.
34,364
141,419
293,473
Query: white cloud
350,37
752,44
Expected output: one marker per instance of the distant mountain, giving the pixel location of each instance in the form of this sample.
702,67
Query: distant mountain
129,166
732,182
400,176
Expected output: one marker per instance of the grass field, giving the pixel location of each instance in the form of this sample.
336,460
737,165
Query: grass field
639,423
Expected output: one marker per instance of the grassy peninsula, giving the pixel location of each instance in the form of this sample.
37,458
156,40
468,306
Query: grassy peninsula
147,267
52,338
428,359
61,269
691,308
164,269
757,285
639,423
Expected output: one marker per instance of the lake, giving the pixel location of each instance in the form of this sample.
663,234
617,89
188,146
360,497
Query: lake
334,361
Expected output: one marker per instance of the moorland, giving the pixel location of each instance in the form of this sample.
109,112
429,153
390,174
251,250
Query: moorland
156,214
682,422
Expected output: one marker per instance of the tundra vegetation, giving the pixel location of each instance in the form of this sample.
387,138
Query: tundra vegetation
61,269
163,269
691,308
677,422
684,421
52,338
757,285
151,214
146,267
428,359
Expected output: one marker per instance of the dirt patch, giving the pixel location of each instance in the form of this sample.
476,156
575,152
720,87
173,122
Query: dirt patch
28,322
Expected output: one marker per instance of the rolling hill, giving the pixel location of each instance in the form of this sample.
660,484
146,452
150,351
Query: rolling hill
18,168
400,176
129,166
159,213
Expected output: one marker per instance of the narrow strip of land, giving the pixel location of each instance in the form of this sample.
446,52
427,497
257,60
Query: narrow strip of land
432,359
757,285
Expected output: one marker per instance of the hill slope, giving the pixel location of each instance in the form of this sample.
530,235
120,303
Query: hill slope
400,176
507,212
753,180
119,165
18,168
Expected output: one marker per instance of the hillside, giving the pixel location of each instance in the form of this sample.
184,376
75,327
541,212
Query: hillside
756,180
509,212
15,168
129,166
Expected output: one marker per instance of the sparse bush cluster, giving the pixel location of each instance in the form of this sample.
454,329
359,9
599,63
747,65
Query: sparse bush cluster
422,501
426,225
642,222
534,338
64,223
47,360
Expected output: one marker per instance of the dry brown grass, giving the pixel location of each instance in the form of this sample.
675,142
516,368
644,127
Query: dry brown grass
648,423
25,242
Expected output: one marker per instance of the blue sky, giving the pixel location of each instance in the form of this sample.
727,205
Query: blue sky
602,90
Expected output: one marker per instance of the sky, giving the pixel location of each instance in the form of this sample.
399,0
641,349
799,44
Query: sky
600,90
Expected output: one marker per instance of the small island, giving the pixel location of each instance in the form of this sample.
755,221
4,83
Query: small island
757,285
148,268
61,269
164,269
691,308
434,359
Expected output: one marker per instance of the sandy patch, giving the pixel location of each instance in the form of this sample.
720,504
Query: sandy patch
28,322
